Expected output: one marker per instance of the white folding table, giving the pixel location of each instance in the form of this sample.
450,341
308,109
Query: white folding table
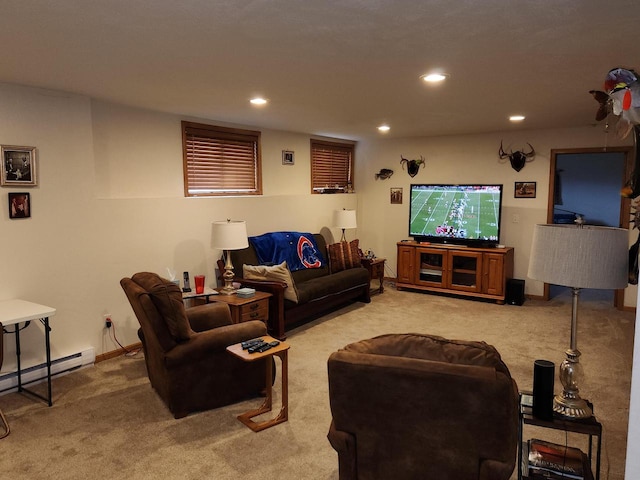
15,312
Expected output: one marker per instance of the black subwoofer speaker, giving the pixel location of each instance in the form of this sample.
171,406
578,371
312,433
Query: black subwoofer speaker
515,291
543,374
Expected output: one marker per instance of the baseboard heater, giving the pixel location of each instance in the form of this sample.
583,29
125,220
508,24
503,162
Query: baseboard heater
38,373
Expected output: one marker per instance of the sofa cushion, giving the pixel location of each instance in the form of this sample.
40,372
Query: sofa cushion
320,287
343,255
167,298
278,273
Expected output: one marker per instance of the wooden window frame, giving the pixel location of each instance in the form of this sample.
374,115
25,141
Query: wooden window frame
239,142
343,185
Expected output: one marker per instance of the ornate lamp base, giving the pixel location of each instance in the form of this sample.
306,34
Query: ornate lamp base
228,277
569,404
571,407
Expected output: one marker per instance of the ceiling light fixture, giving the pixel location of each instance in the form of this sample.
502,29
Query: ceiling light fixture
434,77
384,128
258,101
516,118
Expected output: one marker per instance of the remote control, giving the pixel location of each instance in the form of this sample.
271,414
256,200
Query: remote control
255,347
250,343
263,348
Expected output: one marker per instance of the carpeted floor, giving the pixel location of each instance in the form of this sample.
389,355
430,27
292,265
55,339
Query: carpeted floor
108,423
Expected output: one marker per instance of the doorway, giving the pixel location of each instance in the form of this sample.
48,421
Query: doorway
586,182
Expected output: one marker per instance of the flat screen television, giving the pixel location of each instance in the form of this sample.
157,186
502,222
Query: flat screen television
456,214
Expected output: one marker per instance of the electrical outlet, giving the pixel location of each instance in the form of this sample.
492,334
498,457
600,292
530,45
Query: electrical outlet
107,320
515,218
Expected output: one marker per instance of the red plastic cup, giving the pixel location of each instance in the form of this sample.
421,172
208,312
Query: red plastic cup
199,279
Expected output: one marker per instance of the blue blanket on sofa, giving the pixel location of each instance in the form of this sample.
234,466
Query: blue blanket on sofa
299,250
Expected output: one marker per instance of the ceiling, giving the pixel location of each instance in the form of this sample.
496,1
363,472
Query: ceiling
330,67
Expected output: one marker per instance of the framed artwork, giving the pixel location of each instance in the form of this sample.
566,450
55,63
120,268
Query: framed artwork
525,190
18,166
19,205
396,196
288,157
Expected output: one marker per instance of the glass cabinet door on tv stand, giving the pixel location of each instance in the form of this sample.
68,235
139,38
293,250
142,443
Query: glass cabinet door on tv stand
433,267
465,271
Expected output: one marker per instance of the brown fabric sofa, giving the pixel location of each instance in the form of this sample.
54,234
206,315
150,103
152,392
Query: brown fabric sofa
319,290
185,349
410,406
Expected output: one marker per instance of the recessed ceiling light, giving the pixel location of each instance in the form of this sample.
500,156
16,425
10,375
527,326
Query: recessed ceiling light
258,101
434,77
516,118
384,128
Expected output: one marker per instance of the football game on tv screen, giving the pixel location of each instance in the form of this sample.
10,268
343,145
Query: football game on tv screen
446,213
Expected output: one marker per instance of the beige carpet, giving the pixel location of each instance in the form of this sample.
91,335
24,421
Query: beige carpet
107,422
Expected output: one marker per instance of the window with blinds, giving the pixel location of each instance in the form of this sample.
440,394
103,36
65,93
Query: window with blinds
220,161
331,166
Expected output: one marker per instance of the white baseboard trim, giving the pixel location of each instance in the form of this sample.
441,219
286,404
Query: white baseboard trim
38,373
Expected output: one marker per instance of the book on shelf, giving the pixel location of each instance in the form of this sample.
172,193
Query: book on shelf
550,460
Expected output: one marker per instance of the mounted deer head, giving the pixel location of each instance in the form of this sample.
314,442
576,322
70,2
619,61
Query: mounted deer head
412,165
517,158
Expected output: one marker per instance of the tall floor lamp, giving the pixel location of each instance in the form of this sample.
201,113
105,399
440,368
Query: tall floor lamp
344,219
229,235
578,257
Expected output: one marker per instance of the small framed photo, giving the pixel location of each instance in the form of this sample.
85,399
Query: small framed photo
19,205
525,190
396,196
288,157
18,166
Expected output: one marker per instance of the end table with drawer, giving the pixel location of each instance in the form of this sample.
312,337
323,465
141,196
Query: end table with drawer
376,270
243,309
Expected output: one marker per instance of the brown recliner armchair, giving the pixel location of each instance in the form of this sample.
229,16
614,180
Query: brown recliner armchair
409,406
185,349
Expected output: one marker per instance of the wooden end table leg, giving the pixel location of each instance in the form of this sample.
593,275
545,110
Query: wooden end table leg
283,416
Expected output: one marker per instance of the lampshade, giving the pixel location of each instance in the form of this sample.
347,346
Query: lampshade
344,219
586,257
229,235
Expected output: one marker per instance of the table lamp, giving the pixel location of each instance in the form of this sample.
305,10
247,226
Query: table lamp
344,219
229,235
580,256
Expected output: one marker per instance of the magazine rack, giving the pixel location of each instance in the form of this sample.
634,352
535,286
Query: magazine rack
589,426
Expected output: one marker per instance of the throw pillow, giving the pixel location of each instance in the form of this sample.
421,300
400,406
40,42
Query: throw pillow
278,273
343,255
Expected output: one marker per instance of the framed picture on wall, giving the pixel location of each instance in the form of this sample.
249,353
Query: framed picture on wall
525,190
396,196
288,157
18,166
19,205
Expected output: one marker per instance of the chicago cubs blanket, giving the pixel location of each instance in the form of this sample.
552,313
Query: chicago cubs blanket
298,249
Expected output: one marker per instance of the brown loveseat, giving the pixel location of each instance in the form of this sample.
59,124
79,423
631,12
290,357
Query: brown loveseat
319,291
417,407
185,349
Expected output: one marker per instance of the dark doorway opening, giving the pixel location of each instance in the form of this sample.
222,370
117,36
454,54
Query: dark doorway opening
587,182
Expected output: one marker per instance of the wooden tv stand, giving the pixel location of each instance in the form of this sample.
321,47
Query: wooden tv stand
466,271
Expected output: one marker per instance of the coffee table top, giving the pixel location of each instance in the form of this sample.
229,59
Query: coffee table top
236,349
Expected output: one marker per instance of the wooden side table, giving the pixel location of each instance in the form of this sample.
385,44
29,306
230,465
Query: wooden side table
245,309
278,351
376,270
